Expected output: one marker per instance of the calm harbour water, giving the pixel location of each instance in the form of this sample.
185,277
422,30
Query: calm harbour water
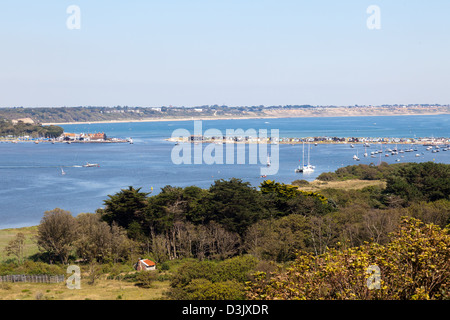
31,179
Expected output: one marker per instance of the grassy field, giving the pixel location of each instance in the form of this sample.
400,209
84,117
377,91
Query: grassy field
317,185
6,235
102,289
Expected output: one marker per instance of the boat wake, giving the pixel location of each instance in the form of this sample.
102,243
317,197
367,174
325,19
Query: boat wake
37,167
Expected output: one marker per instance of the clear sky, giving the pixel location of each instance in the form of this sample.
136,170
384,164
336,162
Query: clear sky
233,52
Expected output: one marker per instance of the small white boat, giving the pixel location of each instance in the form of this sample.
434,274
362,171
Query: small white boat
90,165
355,157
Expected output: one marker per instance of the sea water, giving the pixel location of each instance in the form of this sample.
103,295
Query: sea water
31,179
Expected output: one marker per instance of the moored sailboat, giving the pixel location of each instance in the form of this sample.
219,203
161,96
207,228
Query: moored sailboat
306,168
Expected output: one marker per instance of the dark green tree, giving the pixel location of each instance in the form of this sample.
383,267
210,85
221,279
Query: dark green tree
126,207
235,205
415,182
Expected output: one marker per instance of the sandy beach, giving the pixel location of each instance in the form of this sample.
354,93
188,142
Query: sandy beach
277,114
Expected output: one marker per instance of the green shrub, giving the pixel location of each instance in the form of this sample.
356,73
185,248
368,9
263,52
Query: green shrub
130,277
207,280
192,270
327,176
236,269
145,279
32,268
300,183
164,266
203,289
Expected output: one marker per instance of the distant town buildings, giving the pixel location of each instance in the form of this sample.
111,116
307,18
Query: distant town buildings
67,136
323,139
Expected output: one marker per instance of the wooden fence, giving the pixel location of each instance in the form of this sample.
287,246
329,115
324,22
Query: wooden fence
32,278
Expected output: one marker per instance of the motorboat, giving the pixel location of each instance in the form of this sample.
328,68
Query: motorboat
90,165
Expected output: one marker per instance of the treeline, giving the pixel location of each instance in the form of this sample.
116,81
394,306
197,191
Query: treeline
93,113
103,113
276,220
100,113
7,128
207,224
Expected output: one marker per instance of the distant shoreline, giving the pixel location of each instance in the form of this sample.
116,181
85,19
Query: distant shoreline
244,118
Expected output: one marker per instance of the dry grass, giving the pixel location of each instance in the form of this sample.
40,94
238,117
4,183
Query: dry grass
101,290
317,185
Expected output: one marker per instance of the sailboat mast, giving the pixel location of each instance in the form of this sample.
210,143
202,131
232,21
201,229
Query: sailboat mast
309,151
303,157
381,153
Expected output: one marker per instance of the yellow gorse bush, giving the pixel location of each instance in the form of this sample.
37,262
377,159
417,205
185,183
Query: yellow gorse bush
414,265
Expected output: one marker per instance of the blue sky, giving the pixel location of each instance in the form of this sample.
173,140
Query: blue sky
234,52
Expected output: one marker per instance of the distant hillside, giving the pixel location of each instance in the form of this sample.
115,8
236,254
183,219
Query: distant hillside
11,128
126,113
